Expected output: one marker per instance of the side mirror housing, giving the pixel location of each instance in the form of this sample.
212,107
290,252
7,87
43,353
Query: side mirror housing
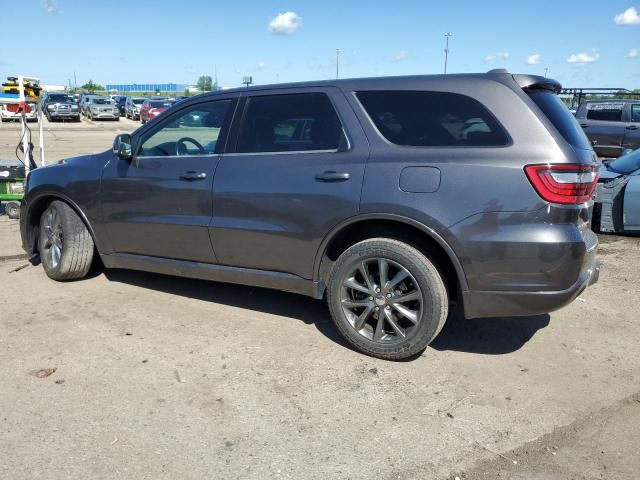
122,146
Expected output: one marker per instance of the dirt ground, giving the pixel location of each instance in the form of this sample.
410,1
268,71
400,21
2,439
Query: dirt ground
136,375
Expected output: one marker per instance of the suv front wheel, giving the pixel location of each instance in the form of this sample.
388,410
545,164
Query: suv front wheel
387,298
64,243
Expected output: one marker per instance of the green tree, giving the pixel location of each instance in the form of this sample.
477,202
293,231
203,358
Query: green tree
91,87
187,93
205,83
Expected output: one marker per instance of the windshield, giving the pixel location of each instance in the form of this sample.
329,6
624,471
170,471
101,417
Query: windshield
558,113
626,164
138,101
61,98
101,101
163,104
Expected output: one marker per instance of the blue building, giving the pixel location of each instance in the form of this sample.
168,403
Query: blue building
148,87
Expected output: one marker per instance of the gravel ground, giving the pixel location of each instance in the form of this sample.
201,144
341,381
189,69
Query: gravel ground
135,375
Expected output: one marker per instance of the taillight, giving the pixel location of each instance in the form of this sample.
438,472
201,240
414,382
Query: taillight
565,183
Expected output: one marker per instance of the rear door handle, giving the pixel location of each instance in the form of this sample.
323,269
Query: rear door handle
632,127
584,125
333,176
193,176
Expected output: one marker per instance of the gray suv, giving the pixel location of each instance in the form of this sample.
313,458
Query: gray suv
393,198
613,126
60,106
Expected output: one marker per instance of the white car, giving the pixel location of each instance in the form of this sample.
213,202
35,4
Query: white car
7,116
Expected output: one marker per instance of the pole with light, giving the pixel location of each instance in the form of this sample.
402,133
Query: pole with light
446,50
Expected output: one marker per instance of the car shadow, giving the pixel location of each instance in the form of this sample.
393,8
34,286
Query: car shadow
490,336
273,302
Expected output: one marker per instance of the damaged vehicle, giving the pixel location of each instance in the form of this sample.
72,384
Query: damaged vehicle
617,196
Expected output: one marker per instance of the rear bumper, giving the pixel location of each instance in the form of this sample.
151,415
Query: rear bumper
522,302
479,304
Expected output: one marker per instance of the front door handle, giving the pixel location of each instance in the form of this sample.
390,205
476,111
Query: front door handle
584,125
632,127
193,176
333,176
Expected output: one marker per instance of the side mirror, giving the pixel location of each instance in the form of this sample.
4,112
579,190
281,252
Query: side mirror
122,146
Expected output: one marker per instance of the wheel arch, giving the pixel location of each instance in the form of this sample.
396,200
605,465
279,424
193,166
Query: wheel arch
359,228
37,205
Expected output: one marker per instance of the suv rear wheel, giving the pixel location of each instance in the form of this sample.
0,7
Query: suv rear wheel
65,245
387,298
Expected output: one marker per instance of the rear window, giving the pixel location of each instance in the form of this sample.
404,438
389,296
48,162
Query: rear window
558,113
429,119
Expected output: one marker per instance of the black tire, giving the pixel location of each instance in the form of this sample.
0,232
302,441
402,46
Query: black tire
12,209
424,278
72,239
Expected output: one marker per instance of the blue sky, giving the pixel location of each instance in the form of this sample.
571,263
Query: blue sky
127,41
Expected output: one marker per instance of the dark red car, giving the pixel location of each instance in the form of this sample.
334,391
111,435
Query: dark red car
153,107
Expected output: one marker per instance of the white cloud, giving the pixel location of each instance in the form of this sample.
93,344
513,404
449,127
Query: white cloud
401,55
629,17
285,23
534,59
51,6
260,66
583,57
499,56
633,53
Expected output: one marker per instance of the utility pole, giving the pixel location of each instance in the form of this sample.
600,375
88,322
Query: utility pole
446,50
546,70
75,81
337,63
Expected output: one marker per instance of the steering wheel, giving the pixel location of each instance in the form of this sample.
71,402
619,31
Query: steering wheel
181,147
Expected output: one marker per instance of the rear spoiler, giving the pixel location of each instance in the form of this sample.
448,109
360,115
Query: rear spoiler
535,82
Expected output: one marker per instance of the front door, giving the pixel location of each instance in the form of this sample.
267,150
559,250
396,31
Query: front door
632,128
295,173
159,203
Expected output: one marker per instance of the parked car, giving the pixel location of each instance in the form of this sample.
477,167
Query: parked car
60,106
617,196
120,100
101,108
153,107
7,114
132,107
388,208
613,126
85,101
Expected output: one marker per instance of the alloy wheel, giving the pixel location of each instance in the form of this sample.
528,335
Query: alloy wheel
382,300
53,238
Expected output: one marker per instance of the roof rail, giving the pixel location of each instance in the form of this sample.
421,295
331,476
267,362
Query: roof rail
498,70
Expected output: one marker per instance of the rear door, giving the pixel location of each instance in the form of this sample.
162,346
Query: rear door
632,128
603,122
295,172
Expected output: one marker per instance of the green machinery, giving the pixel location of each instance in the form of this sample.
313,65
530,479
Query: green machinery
14,172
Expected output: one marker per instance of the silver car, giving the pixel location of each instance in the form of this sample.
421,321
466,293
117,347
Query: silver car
102,108
617,196
132,107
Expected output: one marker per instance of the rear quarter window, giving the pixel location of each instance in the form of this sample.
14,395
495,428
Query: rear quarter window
429,119
611,112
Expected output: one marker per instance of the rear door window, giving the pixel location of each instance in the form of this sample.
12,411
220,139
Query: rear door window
421,119
635,112
558,113
610,112
289,123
